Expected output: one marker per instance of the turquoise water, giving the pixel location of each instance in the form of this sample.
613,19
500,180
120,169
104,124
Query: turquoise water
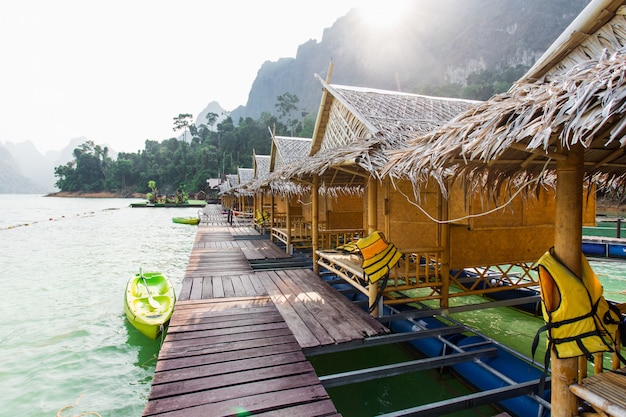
63,337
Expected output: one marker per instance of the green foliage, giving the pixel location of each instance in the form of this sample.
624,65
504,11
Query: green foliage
479,86
88,171
175,165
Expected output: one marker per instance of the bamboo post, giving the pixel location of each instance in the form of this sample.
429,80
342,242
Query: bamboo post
372,197
272,214
567,248
372,223
315,214
444,242
288,224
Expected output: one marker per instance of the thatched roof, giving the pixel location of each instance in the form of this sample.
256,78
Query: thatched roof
286,149
245,175
357,127
230,183
261,166
577,98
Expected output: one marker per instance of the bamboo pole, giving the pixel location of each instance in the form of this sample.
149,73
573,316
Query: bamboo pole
315,214
444,242
288,224
372,223
272,217
567,248
372,197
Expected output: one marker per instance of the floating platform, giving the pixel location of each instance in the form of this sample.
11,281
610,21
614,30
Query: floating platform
238,335
191,203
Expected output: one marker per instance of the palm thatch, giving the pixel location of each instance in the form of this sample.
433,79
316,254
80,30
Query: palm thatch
518,137
358,127
523,132
261,166
228,186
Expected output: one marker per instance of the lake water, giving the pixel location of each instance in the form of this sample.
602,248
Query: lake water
64,339
63,334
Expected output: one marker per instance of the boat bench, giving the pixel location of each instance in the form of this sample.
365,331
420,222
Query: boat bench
418,268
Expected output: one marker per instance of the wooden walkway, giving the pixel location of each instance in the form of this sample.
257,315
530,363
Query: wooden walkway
236,338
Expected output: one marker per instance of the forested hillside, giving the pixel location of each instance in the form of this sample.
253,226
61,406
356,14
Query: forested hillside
455,48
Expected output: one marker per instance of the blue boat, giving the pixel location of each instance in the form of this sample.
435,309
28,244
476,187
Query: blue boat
604,247
616,250
594,249
502,369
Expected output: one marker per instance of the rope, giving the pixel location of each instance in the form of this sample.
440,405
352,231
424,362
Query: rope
471,216
67,407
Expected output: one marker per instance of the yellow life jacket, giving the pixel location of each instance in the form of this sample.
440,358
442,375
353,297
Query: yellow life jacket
579,321
379,256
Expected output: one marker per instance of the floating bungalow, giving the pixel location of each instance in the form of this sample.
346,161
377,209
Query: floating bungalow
561,125
454,242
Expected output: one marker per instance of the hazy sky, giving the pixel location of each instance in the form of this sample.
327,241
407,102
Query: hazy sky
118,71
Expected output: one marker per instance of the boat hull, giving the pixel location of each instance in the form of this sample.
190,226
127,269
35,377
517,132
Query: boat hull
142,316
604,248
186,220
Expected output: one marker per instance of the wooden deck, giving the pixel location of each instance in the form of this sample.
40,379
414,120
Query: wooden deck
237,336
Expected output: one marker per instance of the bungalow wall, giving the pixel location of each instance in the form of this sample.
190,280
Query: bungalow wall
520,232
343,212
404,224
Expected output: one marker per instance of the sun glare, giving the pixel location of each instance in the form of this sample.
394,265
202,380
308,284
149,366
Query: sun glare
381,15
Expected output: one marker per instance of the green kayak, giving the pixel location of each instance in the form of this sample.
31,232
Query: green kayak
186,220
149,302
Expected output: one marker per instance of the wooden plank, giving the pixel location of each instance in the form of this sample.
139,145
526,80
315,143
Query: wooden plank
225,367
185,290
194,333
227,283
218,287
324,408
207,288
317,308
196,288
246,282
224,305
370,325
228,377
182,324
170,363
305,328
255,396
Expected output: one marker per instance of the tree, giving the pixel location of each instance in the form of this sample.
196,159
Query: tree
286,106
182,121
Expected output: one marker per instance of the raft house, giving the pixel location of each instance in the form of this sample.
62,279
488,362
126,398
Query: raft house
562,123
356,129
442,179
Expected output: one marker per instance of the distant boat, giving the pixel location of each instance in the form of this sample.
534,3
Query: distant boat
190,203
604,247
186,220
149,302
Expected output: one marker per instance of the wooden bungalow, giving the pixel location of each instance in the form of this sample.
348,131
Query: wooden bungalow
564,121
355,130
226,191
291,218
263,207
245,197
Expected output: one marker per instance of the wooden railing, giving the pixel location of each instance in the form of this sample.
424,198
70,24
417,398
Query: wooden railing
494,278
418,269
299,235
333,238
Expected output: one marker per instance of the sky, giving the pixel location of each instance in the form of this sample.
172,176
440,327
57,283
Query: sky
118,71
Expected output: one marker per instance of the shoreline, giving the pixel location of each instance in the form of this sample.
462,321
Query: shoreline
68,194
